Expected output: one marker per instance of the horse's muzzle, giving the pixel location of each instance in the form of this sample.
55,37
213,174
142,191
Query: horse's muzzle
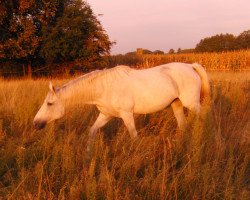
39,124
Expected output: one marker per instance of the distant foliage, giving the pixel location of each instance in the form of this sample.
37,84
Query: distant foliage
217,43
130,59
171,51
243,40
187,51
146,51
158,52
224,42
141,51
179,50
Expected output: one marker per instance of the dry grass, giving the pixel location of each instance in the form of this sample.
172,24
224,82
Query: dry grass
234,60
209,161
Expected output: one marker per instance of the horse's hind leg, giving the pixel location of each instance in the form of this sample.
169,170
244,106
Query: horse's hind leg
128,119
100,122
179,113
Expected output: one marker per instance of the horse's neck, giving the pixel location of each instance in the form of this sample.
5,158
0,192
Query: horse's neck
82,90
90,87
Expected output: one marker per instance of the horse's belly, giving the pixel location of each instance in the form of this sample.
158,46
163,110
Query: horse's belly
154,98
153,91
152,104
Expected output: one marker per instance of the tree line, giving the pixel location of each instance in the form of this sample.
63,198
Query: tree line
36,33
220,43
216,43
224,42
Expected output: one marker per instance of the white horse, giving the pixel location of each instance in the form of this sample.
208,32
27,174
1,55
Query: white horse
123,91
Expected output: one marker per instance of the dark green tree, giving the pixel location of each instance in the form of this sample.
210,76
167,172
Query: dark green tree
76,36
159,52
243,40
171,51
217,43
146,51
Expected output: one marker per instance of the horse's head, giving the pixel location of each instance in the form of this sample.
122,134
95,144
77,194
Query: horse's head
52,109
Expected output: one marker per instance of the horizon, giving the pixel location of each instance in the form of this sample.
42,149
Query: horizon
169,25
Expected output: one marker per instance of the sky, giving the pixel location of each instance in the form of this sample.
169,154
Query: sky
166,24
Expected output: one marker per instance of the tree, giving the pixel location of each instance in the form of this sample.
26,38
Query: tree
217,43
20,27
159,52
56,31
76,36
179,50
243,40
146,51
171,51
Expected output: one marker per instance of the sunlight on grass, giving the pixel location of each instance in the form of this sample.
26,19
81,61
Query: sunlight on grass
210,160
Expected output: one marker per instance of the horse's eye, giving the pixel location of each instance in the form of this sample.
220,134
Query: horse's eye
49,104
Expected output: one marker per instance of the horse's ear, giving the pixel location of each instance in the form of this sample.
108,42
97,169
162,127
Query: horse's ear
52,88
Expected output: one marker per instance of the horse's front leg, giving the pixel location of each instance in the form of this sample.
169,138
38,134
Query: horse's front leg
128,119
100,122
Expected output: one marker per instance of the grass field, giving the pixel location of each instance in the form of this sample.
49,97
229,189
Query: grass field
210,160
232,61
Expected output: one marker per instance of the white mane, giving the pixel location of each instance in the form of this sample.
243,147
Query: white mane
90,81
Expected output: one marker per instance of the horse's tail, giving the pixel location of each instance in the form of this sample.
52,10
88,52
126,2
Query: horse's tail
205,85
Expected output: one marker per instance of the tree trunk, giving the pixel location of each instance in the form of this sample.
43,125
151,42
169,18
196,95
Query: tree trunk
29,74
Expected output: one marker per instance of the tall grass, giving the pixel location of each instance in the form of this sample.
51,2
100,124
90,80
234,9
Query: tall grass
235,60
210,160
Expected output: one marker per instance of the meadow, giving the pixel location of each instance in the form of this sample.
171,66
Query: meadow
209,160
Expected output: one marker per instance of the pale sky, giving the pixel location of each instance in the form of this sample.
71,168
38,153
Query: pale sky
165,24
